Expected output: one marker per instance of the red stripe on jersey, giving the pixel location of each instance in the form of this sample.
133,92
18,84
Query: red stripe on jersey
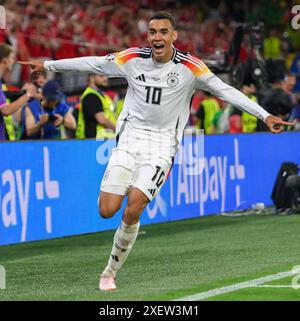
122,59
197,60
125,55
197,71
128,50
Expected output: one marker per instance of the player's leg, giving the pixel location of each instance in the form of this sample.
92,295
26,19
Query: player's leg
115,185
124,238
148,180
109,204
137,201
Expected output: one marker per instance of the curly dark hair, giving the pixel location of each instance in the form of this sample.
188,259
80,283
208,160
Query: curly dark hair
164,15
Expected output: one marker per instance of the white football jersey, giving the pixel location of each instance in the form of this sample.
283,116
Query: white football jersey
158,99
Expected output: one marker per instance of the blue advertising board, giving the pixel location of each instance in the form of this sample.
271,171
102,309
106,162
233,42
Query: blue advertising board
50,188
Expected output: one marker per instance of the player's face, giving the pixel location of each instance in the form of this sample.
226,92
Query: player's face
161,36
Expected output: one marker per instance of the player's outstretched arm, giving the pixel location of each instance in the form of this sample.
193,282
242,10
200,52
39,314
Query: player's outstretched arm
88,64
217,87
91,64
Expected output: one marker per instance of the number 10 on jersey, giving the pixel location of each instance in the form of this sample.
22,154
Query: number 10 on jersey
153,95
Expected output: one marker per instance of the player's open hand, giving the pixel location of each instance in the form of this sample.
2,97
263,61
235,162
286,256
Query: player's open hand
36,66
276,124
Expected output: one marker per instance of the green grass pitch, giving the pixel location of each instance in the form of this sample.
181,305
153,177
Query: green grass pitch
169,261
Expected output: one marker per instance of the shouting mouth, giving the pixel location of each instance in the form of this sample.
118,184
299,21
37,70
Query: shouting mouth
158,48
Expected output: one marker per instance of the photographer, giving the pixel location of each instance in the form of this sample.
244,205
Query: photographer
276,101
44,118
7,60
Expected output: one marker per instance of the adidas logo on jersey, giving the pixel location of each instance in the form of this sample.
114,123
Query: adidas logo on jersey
141,77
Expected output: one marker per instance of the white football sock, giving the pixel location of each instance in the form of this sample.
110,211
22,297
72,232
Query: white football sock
124,239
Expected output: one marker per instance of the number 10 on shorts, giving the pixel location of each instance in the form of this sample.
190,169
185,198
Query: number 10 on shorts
158,178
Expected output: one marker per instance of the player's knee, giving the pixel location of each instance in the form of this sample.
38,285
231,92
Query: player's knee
134,210
130,216
107,210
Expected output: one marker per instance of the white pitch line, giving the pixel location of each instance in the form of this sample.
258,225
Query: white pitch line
276,286
238,286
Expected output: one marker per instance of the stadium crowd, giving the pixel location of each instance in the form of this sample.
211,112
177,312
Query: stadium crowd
52,29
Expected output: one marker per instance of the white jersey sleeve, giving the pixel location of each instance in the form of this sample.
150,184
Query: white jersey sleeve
109,65
213,84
